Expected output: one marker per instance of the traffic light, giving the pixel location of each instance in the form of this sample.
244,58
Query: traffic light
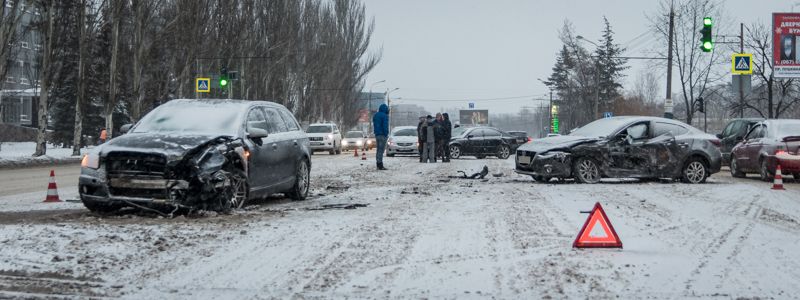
223,77
706,42
701,105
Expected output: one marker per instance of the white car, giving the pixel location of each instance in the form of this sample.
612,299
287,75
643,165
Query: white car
355,140
325,137
403,140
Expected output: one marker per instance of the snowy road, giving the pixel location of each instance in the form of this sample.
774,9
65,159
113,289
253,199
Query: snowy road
419,237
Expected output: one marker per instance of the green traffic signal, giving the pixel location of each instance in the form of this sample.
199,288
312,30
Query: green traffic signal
223,82
706,41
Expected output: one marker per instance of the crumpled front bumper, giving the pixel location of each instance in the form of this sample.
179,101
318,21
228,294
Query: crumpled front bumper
93,186
549,164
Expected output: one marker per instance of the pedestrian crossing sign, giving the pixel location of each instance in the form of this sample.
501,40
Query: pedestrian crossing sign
742,64
203,85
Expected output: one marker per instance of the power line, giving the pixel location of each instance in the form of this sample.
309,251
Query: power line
527,97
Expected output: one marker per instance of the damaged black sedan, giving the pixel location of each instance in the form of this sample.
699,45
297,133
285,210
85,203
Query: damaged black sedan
623,147
199,154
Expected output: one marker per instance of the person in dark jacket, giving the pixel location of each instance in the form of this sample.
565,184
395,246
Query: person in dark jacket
429,137
448,134
420,141
380,123
439,129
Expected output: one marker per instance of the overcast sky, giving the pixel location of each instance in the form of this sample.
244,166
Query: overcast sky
488,49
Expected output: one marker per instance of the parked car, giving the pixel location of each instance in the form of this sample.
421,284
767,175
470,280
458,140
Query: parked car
623,147
403,140
371,141
734,133
767,144
481,142
206,154
522,138
354,140
325,137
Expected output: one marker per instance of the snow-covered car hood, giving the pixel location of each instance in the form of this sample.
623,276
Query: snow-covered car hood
555,142
404,139
173,146
322,134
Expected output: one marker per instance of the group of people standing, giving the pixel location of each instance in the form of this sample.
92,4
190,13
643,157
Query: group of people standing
433,136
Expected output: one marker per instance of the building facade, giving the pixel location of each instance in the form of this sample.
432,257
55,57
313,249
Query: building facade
20,85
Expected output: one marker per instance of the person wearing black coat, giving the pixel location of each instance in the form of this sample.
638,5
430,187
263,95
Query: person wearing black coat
420,140
448,134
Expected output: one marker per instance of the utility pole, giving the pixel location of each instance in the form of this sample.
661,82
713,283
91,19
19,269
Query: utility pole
668,105
550,111
740,77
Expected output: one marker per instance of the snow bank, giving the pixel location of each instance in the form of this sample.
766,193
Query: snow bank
19,155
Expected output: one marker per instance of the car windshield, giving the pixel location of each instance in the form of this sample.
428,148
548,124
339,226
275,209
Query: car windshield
354,134
405,132
600,128
192,117
788,129
319,129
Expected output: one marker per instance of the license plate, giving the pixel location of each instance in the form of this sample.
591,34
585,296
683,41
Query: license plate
524,159
316,144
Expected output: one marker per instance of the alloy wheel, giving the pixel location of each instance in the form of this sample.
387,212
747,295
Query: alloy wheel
455,151
504,152
588,172
695,172
239,191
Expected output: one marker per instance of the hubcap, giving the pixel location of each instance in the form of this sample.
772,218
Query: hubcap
455,152
504,152
588,171
695,172
302,178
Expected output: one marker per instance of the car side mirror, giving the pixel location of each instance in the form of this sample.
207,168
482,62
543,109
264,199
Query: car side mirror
256,133
719,136
125,128
470,136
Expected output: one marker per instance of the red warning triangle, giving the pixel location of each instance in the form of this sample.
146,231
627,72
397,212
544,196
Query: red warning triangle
597,232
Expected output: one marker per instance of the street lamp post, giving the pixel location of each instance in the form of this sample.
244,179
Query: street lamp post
597,78
369,103
389,103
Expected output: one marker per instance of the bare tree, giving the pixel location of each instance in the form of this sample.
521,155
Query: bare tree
49,11
115,9
773,96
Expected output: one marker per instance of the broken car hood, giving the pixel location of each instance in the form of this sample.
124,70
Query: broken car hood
173,146
554,142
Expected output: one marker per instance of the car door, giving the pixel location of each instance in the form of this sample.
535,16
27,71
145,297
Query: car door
629,157
730,136
747,153
492,139
474,141
667,149
281,146
261,154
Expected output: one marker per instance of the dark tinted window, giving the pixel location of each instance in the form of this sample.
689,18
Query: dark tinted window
664,128
406,132
291,123
319,129
354,134
491,133
276,122
518,133
256,119
756,132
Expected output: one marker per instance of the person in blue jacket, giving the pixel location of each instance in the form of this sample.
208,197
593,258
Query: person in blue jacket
380,123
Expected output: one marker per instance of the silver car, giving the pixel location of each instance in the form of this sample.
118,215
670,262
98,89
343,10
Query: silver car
403,140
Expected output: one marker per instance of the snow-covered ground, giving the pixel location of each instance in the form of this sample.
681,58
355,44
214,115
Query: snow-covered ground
19,154
423,235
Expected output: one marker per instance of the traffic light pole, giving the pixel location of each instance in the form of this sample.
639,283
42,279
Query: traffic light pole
741,85
668,101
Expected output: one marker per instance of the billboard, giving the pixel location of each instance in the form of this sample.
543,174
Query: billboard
785,36
473,117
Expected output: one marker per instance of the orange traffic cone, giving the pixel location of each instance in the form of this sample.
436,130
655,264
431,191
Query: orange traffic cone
355,153
778,182
363,155
52,189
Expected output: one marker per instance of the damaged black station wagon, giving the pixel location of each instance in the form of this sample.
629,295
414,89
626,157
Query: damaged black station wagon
199,154
623,147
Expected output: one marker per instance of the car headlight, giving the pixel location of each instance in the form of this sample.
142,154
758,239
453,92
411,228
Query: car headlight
330,136
344,143
369,142
359,143
553,155
91,161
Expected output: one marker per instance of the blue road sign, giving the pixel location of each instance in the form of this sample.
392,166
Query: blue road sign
203,85
608,114
742,64
471,105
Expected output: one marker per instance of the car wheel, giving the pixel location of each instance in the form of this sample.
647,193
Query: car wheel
504,152
100,206
586,170
240,189
390,155
333,150
302,182
796,176
735,169
694,171
338,150
764,171
455,151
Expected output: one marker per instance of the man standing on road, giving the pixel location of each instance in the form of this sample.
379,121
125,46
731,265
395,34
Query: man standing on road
439,129
420,141
448,134
429,136
380,123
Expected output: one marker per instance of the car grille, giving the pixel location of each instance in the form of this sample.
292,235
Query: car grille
135,164
526,153
315,138
405,144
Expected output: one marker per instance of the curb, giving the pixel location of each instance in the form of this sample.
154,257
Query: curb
37,162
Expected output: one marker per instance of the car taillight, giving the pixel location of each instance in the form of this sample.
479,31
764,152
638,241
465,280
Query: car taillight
716,142
780,152
529,139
